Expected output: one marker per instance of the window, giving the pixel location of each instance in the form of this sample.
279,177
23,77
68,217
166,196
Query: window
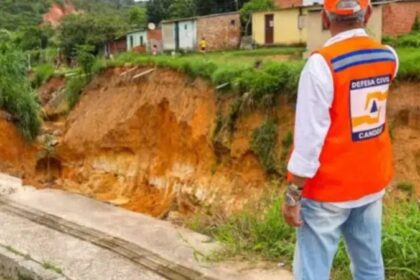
141,40
233,22
131,42
186,27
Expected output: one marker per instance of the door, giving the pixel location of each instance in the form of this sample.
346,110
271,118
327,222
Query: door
269,29
177,36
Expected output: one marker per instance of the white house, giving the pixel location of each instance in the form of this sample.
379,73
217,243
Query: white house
136,38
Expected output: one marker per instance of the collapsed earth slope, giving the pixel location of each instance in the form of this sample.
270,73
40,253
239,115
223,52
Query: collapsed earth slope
144,139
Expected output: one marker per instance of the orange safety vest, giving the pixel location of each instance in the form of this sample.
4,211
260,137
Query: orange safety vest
356,159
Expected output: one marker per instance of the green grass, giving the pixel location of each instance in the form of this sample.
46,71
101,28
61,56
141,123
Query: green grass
259,232
50,266
409,64
264,82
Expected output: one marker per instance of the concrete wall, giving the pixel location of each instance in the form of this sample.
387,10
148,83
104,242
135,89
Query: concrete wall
221,31
168,36
187,34
287,29
398,18
116,46
316,36
154,37
187,31
136,39
258,28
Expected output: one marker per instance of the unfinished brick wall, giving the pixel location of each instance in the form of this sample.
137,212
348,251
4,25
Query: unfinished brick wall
116,46
221,31
154,37
288,3
398,18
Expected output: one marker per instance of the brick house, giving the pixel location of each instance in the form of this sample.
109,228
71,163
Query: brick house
283,4
399,16
115,46
221,31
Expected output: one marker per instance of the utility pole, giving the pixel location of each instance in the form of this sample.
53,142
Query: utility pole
237,4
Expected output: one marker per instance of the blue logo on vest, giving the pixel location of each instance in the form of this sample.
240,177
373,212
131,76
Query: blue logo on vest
374,107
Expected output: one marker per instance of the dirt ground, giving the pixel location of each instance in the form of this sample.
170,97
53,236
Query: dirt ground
146,144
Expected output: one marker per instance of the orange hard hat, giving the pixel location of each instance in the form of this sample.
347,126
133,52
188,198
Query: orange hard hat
345,7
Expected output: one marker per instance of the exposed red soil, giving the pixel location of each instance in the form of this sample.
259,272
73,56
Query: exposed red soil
404,114
17,156
146,144
57,12
47,90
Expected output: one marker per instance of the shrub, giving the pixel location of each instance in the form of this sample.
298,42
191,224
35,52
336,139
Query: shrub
16,94
405,186
263,144
74,88
42,74
416,25
85,58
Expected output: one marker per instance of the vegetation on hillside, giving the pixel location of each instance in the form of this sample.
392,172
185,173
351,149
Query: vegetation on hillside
159,10
21,14
16,94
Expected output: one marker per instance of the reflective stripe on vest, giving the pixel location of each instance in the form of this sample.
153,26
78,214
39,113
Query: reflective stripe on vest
356,159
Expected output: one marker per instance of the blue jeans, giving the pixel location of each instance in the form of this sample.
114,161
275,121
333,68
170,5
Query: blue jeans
318,239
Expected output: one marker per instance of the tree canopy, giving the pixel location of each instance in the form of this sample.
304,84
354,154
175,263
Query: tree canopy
159,10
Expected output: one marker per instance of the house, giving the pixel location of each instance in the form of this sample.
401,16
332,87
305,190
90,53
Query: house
116,46
137,40
221,31
144,40
303,24
281,27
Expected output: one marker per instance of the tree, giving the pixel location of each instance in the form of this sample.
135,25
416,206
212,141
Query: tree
158,10
34,37
253,6
137,17
88,29
183,8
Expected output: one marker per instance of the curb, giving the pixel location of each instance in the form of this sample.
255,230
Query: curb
14,265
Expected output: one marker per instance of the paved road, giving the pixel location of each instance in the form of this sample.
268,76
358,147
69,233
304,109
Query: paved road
90,240
77,259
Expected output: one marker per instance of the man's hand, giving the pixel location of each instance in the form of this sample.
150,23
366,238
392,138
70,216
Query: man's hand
291,215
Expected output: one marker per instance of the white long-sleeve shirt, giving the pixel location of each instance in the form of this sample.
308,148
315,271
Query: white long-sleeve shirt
315,98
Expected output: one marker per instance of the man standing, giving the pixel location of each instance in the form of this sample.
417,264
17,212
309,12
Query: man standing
342,158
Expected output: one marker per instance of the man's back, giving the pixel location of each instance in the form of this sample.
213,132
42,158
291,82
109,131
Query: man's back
356,158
